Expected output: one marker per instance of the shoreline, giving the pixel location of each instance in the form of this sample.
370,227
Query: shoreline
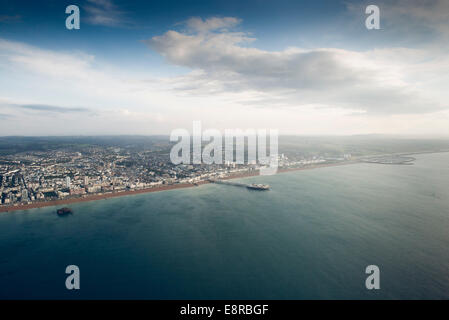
96,197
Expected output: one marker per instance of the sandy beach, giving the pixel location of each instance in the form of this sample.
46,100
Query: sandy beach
95,197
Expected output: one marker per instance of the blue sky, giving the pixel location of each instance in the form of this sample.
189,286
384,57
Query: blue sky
147,67
277,24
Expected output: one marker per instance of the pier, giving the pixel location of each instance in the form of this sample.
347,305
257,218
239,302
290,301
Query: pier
253,186
390,159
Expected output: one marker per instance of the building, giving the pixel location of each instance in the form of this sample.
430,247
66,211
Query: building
24,195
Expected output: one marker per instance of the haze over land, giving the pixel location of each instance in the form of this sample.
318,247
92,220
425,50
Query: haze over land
299,145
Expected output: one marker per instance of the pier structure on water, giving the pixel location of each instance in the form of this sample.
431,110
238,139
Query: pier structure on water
254,186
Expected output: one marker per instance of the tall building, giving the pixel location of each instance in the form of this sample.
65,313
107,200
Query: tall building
24,195
67,182
86,181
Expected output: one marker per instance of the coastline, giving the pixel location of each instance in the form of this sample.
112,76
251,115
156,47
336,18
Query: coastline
96,197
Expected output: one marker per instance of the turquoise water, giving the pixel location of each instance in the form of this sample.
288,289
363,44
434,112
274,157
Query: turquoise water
310,237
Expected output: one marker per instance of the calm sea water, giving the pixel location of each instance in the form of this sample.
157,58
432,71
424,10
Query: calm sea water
310,237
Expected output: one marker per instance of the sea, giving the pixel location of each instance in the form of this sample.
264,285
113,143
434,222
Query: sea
311,236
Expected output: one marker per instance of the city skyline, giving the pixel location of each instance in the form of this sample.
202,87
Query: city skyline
146,69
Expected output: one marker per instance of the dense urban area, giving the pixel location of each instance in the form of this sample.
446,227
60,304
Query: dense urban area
58,174
36,170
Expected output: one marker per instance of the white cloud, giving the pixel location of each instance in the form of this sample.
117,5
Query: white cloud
222,60
232,84
211,24
106,13
417,21
43,89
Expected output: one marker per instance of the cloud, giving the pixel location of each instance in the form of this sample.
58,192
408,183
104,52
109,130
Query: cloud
48,108
199,25
39,86
44,61
223,60
433,14
105,13
41,109
4,116
231,84
10,19
416,20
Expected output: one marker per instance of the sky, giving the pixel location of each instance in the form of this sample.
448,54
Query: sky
150,67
